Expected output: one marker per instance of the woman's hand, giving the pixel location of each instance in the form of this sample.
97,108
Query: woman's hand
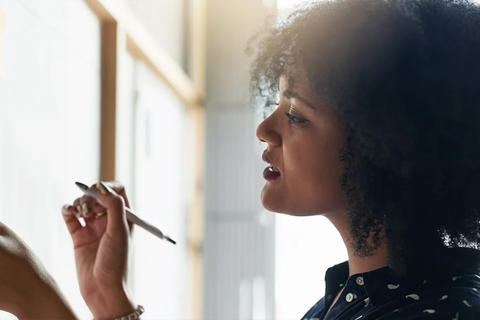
26,288
101,249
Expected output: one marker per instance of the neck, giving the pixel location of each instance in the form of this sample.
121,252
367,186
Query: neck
357,264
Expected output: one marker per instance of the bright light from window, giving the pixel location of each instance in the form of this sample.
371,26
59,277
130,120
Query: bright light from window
289,4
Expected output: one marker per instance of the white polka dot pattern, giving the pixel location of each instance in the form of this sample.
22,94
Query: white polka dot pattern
430,311
380,294
465,302
392,286
413,296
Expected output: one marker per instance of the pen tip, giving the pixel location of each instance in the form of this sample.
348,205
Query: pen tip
170,240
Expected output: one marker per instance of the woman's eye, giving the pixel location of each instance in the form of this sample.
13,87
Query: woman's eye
294,119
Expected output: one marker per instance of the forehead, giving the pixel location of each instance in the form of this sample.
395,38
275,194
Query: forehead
297,83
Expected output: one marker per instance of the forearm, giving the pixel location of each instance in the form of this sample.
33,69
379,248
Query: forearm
44,301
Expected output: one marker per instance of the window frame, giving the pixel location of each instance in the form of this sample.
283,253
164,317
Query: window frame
122,34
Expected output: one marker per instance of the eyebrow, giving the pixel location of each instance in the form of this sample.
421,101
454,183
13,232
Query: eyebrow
292,94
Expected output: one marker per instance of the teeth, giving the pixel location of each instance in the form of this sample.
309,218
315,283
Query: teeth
272,168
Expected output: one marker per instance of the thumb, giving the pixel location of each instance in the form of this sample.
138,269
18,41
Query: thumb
115,205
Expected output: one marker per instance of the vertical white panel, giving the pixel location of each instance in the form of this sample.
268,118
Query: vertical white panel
160,270
239,248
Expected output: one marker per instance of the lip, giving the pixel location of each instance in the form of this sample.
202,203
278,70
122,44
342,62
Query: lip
265,157
268,173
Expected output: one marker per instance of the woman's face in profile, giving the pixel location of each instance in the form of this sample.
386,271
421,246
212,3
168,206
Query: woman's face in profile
304,138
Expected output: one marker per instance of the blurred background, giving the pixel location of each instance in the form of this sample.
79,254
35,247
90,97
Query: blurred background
153,93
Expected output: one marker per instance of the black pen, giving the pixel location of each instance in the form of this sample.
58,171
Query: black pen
130,215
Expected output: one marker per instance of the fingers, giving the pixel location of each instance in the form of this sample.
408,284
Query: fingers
104,202
88,207
70,217
119,189
115,205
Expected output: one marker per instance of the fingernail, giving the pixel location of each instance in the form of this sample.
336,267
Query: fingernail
65,208
100,214
79,210
103,188
84,208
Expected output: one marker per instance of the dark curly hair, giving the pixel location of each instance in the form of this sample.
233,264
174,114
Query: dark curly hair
404,76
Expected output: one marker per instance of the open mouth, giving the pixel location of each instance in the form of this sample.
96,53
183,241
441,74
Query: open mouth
273,169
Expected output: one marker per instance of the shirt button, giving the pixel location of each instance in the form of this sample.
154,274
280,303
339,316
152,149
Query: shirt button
360,281
350,296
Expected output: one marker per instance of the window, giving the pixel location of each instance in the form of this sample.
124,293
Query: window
91,95
50,125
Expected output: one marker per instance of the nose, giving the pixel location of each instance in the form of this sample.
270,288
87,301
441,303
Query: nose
267,131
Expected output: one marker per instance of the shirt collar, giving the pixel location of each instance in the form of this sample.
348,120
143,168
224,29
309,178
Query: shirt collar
378,285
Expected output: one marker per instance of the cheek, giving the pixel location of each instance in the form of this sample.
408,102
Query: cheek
303,168
312,172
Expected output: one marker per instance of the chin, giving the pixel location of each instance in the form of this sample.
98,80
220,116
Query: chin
271,203
274,205
279,202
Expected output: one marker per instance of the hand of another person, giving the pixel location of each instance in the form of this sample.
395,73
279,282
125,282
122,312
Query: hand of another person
101,249
26,288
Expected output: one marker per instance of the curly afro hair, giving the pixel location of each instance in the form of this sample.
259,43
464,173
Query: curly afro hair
404,76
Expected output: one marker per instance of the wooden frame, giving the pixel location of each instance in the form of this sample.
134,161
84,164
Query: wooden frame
122,33
142,46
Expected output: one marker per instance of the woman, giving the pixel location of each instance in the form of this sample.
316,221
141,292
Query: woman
376,128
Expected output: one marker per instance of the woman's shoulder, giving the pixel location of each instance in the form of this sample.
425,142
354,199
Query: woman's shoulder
455,299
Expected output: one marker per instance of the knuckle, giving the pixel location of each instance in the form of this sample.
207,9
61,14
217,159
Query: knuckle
118,201
90,199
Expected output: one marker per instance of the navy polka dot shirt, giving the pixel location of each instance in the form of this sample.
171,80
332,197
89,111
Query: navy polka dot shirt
379,295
